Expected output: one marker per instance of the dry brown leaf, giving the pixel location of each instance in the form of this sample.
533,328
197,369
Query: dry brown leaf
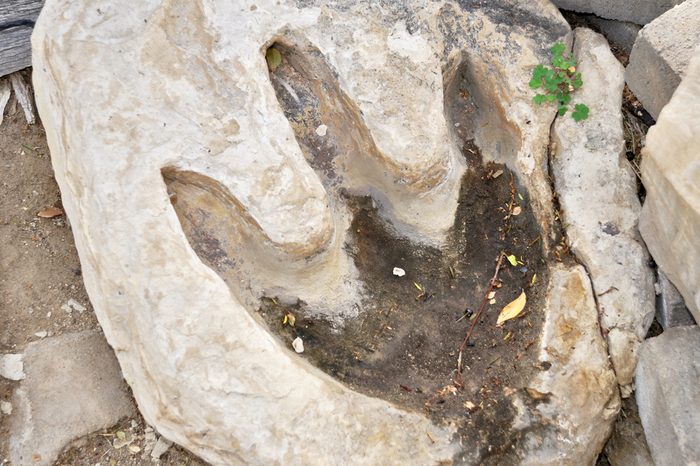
512,310
50,212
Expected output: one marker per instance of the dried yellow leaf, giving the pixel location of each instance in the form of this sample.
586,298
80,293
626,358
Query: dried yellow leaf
512,259
512,310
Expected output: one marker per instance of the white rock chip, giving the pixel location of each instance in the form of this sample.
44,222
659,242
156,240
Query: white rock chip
6,407
322,130
12,366
670,220
598,194
73,305
298,345
162,445
399,272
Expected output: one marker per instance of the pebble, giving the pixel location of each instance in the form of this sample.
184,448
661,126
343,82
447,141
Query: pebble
160,448
6,407
41,334
298,345
12,366
399,272
73,305
322,130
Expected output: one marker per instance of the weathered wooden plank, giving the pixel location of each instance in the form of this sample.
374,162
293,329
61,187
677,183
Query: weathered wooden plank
14,10
17,19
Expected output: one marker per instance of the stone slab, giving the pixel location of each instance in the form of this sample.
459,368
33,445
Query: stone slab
671,310
73,386
635,11
661,54
598,194
668,395
670,219
620,33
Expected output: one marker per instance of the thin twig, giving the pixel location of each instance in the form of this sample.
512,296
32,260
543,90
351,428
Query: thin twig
482,308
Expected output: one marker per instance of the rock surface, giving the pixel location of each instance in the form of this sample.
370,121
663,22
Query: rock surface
598,194
668,395
671,310
73,387
574,354
179,91
670,219
620,33
661,55
635,11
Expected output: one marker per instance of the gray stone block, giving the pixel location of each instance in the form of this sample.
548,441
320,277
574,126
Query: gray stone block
668,395
661,55
635,11
73,386
620,33
670,219
671,310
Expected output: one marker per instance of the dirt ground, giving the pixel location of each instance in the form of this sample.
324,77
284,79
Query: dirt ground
39,273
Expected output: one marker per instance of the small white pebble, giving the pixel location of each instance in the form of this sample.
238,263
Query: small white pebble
399,272
6,407
322,130
298,345
41,334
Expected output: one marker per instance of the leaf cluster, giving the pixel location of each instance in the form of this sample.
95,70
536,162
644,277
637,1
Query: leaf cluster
558,81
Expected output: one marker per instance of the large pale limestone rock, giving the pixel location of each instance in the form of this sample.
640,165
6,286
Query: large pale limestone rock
661,54
598,195
135,98
670,220
668,395
635,11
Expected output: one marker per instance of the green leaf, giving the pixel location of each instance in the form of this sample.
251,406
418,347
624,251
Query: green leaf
558,49
580,112
550,97
562,110
539,99
535,83
539,72
273,57
577,82
563,98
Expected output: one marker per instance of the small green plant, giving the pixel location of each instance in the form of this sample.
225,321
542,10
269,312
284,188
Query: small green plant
558,82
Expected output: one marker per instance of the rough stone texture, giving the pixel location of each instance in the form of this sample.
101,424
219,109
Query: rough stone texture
635,11
620,33
627,445
73,387
668,395
176,89
598,194
661,55
16,21
671,310
572,344
670,220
